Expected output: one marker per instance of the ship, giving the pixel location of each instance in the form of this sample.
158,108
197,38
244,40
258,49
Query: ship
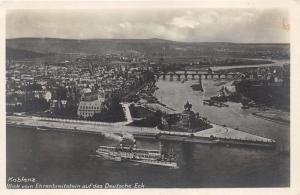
197,86
42,128
127,151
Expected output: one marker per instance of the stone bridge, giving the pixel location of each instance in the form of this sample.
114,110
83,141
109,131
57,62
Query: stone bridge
193,74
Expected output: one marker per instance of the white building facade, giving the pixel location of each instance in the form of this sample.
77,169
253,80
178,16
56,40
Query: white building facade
89,108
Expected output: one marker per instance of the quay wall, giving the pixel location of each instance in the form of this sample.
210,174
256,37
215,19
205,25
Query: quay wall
144,132
88,126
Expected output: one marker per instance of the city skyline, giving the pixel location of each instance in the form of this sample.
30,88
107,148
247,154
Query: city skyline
186,25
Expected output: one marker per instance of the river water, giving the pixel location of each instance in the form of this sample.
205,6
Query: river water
69,158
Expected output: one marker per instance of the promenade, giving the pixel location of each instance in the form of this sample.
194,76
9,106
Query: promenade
217,132
77,125
127,113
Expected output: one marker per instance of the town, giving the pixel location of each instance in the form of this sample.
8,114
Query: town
91,87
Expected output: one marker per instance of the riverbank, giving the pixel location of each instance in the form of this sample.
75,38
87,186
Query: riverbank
274,116
217,134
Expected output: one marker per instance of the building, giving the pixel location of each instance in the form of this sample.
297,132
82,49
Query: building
89,108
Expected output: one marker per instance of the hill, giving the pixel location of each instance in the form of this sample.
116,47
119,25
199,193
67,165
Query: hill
90,46
150,47
16,54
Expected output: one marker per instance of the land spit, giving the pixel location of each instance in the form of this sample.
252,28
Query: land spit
215,135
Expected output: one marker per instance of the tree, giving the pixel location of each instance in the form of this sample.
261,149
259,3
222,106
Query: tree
61,93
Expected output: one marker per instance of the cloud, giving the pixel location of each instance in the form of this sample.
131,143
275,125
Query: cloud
227,25
187,20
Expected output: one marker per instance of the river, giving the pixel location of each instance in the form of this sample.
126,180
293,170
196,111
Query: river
69,158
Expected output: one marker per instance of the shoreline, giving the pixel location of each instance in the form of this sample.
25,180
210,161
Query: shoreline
274,119
215,135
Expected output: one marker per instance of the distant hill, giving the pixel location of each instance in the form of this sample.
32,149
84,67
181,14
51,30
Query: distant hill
151,47
12,53
90,46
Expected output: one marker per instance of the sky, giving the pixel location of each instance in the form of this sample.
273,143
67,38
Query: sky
190,25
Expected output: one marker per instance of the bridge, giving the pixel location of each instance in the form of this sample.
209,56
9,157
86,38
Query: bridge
194,74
